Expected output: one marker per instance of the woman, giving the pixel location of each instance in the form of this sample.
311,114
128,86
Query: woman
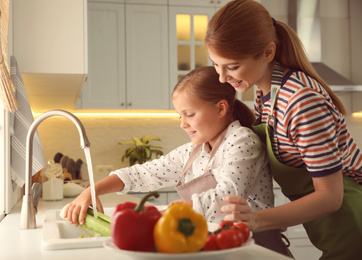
225,156
312,155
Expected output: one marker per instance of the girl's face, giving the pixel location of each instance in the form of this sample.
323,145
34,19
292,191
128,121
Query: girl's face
202,121
243,74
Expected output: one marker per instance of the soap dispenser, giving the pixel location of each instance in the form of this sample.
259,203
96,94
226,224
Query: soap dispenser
53,181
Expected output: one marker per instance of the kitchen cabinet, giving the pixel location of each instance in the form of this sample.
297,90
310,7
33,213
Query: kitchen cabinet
215,4
188,21
50,45
187,30
139,50
166,195
128,55
300,245
106,82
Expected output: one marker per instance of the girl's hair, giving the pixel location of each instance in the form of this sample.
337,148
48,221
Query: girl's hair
243,29
203,83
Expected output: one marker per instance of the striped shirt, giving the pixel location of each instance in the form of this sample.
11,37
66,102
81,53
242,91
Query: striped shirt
311,132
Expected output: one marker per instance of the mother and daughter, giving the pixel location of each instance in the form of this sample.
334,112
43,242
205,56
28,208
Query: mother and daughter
301,121
225,157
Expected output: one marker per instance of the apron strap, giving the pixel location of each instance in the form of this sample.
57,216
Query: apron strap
196,152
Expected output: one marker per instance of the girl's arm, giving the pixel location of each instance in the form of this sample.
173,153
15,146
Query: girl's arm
80,205
326,198
148,176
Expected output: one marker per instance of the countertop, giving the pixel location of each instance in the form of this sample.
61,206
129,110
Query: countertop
26,244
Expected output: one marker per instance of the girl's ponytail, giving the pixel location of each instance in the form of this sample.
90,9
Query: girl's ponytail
243,113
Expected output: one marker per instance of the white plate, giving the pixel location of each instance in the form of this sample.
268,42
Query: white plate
209,255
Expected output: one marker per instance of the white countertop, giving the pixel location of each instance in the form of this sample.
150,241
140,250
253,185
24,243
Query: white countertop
26,244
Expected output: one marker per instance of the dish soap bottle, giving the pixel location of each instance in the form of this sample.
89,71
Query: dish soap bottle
53,181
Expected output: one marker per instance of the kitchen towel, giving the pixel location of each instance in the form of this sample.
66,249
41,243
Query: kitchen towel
20,122
7,89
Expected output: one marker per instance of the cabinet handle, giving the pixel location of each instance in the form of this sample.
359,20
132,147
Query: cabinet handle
122,104
129,104
211,2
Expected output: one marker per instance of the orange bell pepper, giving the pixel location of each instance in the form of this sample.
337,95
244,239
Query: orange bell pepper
180,230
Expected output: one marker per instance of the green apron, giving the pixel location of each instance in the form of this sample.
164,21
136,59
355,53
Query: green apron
338,235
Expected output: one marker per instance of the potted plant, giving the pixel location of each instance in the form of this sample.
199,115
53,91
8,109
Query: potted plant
141,151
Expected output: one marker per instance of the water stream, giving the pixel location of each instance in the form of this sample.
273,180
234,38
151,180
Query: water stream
91,178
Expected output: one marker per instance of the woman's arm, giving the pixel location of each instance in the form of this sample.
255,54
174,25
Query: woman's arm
326,198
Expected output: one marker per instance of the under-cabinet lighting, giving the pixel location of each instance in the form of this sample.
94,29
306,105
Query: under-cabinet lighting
357,114
166,114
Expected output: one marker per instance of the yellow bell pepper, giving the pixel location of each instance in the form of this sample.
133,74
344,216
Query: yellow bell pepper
180,230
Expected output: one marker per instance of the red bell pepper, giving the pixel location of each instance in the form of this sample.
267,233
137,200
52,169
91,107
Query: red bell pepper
132,225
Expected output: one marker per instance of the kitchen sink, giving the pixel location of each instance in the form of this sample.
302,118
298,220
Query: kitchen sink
60,234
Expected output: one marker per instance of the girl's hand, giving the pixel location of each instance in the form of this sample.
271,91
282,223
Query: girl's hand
79,207
239,210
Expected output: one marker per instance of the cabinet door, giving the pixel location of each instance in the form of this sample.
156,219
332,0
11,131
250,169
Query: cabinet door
207,3
106,84
48,41
187,31
147,57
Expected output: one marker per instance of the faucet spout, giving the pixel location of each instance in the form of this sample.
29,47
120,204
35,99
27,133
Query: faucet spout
27,217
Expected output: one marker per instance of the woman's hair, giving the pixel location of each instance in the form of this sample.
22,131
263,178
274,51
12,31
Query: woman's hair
203,83
244,28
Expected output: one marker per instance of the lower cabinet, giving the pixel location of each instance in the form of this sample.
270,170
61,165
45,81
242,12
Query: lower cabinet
166,196
300,245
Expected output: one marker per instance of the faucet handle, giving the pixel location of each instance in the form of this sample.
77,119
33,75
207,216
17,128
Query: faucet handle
36,189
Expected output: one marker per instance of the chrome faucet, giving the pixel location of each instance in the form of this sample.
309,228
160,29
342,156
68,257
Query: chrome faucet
27,217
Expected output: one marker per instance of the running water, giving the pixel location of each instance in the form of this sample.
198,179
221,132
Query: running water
91,179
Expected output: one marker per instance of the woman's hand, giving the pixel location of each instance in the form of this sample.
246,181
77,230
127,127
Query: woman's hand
239,210
79,207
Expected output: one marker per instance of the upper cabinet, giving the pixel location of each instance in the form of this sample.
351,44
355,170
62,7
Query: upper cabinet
187,31
50,45
139,49
188,21
128,56
106,82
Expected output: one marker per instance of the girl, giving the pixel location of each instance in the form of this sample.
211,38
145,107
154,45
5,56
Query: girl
225,156
312,155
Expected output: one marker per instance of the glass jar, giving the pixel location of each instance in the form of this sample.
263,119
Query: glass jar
53,181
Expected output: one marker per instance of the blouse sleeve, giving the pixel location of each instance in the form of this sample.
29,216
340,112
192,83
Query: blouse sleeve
155,174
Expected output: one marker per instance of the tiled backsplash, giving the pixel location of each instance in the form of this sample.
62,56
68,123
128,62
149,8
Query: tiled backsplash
58,134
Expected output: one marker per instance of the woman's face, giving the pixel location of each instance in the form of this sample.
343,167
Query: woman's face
202,121
243,74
